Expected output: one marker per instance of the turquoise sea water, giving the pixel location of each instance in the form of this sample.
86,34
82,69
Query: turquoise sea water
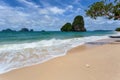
20,49
22,37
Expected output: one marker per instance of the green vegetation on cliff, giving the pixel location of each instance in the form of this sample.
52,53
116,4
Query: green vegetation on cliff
26,30
67,27
8,30
22,30
77,25
117,29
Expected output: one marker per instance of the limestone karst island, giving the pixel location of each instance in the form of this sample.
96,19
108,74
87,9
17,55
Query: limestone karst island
77,25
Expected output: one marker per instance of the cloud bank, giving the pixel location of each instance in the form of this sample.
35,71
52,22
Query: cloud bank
47,15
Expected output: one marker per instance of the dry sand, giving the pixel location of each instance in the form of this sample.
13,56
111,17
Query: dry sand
98,63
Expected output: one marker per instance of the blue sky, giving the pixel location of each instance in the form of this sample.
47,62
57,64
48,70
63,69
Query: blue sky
48,14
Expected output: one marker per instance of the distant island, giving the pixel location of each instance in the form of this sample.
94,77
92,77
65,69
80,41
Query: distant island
26,30
22,30
76,26
117,29
8,30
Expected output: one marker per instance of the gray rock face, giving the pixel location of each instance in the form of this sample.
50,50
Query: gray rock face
78,24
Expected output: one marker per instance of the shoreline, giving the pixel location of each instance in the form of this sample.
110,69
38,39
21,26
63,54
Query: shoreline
52,57
66,53
82,47
73,55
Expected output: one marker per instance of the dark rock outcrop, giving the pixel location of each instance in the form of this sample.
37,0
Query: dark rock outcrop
24,30
31,30
117,29
78,24
42,30
8,30
67,27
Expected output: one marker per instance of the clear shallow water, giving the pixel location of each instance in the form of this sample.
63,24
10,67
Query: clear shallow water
20,49
21,37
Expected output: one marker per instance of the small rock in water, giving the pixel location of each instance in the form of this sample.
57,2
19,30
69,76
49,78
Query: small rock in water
87,65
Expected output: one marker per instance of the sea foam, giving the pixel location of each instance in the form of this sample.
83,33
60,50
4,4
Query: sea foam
14,56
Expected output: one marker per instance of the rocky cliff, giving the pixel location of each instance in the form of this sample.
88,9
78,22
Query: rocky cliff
77,25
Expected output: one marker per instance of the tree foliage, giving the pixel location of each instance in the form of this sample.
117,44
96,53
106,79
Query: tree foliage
108,8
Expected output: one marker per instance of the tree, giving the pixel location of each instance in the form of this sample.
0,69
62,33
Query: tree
108,8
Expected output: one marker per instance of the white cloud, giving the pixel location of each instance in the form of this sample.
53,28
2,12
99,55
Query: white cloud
49,17
37,18
56,10
101,23
28,3
69,7
51,10
11,16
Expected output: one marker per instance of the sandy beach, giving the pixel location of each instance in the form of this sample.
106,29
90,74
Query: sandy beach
81,63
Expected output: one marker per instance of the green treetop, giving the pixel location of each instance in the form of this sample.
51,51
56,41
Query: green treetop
106,8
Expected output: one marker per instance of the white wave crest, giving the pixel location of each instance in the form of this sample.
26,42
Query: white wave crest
13,56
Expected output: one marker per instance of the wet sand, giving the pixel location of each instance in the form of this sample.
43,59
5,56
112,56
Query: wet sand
81,63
